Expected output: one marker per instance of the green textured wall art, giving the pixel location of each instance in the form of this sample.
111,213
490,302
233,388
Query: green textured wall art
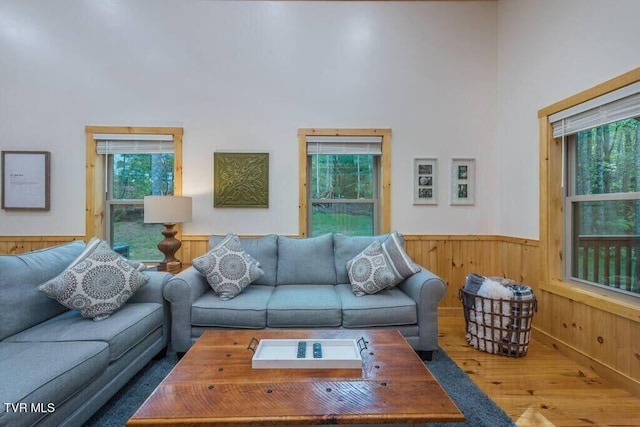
240,180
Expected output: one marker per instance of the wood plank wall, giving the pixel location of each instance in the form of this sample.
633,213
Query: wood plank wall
19,244
451,257
601,340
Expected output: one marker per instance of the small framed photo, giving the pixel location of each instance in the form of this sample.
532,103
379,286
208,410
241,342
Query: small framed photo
425,179
463,185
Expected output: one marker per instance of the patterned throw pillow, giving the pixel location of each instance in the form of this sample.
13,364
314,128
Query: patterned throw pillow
97,283
228,267
380,266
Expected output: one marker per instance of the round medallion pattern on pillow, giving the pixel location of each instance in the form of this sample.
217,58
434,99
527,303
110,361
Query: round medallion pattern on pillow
66,288
207,263
103,282
228,267
97,283
384,276
232,266
82,266
101,311
361,269
123,297
79,302
381,265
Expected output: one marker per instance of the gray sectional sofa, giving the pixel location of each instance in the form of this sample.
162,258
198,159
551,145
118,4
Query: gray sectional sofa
305,285
57,368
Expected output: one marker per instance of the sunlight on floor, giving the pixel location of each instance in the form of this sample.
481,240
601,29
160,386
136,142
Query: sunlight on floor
533,418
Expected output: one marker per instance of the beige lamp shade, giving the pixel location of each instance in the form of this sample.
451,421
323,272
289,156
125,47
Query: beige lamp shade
167,209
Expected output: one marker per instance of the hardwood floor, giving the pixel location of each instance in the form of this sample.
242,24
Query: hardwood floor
543,388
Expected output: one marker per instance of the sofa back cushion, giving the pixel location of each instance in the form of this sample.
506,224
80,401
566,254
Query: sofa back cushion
347,247
21,304
306,261
263,249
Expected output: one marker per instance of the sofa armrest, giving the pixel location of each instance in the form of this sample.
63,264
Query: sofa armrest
186,286
152,291
426,289
181,291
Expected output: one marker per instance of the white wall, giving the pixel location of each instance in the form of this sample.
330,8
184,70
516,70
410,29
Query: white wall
549,50
246,76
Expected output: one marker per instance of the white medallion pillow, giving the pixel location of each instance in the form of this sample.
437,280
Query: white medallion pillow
228,267
97,283
380,266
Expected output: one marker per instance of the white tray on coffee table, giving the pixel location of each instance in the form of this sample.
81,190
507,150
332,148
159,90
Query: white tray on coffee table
282,354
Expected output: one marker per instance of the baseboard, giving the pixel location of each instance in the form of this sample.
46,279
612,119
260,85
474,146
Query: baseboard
606,372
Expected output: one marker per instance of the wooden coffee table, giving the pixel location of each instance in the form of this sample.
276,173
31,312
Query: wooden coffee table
214,384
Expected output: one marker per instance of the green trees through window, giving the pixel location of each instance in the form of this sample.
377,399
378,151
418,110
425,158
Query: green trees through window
604,204
131,177
343,194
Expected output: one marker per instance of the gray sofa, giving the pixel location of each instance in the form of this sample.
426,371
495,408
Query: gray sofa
305,285
57,368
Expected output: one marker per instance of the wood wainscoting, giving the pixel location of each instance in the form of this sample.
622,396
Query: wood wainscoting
11,245
451,257
602,340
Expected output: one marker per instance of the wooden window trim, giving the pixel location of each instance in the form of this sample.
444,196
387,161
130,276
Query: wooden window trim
96,175
551,209
385,172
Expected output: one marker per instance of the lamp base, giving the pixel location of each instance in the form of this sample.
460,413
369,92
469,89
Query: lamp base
169,246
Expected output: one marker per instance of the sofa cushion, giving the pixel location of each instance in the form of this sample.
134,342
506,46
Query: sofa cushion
390,307
306,261
380,266
21,305
121,331
293,306
247,310
264,249
97,283
69,366
228,267
347,247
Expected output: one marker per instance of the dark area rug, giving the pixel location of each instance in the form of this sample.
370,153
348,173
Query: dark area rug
477,407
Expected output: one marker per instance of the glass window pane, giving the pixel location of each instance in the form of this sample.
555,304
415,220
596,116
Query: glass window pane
606,158
131,237
354,219
342,176
139,175
606,243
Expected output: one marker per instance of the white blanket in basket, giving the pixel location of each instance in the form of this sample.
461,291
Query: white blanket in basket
489,320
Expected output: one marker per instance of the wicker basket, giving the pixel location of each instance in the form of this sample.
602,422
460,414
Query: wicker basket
498,326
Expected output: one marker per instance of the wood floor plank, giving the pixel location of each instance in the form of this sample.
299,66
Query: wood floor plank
543,388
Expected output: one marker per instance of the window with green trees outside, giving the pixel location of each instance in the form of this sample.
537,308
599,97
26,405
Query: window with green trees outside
130,177
603,205
343,194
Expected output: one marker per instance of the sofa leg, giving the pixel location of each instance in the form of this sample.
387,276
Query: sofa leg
161,354
425,355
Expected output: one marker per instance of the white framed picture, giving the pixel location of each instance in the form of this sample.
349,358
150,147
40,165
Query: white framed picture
463,183
425,181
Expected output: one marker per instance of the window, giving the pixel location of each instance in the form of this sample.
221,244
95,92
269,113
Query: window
342,182
130,163
602,197
130,177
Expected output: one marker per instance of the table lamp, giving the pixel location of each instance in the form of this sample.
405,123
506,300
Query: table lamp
167,210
